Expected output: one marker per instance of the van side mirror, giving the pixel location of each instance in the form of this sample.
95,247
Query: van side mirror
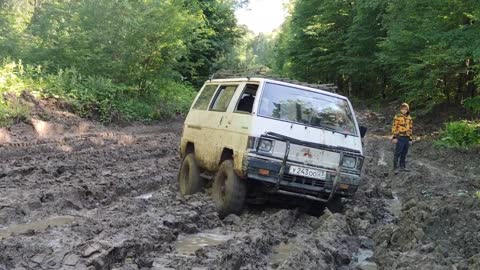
363,131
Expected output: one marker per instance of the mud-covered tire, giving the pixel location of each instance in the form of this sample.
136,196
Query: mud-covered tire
228,191
189,179
335,204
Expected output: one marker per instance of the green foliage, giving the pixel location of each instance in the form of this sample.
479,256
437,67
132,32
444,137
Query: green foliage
98,97
90,96
473,104
460,134
128,42
251,51
12,111
116,59
424,52
14,78
217,35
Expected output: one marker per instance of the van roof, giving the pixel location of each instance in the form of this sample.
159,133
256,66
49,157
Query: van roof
328,89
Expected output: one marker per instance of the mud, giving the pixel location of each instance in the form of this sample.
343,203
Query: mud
77,195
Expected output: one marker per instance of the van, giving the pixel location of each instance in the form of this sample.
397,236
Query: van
250,137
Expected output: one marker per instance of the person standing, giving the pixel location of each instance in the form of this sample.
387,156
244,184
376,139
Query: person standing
402,131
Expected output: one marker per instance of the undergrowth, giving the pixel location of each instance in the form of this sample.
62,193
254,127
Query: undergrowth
92,97
14,78
460,134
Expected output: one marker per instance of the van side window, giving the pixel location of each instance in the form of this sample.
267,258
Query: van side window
245,104
205,97
223,97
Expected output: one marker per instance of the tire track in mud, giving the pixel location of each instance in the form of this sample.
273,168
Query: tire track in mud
121,210
141,169
136,224
85,173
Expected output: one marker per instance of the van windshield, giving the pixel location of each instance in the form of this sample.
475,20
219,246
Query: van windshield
307,108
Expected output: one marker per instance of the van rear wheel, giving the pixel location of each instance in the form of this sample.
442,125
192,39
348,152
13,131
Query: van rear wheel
189,176
228,190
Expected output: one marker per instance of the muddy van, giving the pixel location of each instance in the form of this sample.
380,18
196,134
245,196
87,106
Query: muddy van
250,137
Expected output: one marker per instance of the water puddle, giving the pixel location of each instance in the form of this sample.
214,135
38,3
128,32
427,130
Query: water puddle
362,260
280,254
363,255
35,226
394,206
188,244
381,160
145,196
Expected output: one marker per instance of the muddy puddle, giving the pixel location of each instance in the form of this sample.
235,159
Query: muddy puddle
280,254
188,244
37,226
128,193
362,255
145,196
394,206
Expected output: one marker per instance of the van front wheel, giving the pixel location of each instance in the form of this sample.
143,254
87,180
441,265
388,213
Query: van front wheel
228,190
189,176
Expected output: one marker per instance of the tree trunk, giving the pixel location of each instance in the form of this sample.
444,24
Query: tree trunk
384,87
459,93
349,87
471,87
445,88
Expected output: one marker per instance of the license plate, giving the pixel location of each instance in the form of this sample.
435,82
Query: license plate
307,172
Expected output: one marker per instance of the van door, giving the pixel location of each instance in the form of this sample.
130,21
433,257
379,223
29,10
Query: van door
218,122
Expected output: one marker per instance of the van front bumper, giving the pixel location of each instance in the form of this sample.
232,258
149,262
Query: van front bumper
269,171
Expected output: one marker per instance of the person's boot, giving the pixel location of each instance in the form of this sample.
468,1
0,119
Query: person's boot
395,169
403,168
395,165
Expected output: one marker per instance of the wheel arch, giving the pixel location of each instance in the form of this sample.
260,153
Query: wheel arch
227,153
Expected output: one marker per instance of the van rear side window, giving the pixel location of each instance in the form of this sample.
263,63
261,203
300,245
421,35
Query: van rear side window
223,97
205,97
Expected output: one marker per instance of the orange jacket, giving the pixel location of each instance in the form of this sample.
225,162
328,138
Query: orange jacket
402,126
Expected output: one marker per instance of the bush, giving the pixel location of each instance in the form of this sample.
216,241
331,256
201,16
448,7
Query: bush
90,96
473,104
14,78
460,134
12,112
100,98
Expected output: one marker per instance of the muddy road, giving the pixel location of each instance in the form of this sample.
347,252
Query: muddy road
76,195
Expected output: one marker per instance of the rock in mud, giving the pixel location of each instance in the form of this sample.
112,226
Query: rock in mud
231,219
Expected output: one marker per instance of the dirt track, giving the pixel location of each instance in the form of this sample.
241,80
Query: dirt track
99,198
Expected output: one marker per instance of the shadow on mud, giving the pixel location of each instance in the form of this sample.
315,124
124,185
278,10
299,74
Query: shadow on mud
309,207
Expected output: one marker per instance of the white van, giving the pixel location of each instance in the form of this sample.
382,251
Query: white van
254,136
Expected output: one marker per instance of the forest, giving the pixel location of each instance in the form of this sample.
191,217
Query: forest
104,166
145,60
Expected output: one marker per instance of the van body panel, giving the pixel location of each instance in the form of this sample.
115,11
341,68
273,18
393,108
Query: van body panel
262,125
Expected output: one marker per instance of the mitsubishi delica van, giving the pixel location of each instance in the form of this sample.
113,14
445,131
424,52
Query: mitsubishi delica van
250,137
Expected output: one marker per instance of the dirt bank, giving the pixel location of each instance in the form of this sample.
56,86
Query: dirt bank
77,195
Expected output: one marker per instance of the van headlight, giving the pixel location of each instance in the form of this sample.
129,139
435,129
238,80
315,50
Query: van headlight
349,162
265,145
